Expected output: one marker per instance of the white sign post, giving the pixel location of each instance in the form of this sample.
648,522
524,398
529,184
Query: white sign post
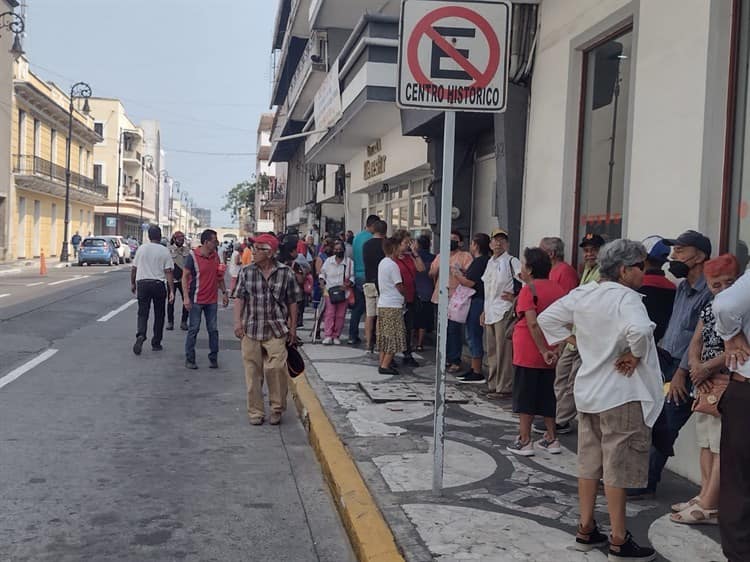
452,56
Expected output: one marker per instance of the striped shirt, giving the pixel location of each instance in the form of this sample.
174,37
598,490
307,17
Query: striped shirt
266,301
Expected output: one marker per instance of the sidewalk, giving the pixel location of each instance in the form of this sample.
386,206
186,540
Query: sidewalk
26,265
495,506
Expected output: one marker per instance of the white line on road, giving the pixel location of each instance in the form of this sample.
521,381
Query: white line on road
35,284
4,295
116,311
76,278
9,271
26,367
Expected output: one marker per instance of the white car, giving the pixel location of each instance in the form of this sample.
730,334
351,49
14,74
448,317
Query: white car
122,247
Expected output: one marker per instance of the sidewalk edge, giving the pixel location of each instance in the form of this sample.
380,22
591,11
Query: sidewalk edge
370,535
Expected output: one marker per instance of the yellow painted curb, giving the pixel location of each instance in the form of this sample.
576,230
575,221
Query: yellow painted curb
368,532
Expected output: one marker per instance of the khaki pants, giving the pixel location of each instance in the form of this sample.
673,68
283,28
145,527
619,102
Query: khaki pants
565,378
265,359
499,356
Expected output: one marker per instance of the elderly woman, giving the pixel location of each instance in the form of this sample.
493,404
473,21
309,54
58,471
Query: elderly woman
336,277
618,390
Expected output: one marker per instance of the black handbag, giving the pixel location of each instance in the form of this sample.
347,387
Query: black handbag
337,294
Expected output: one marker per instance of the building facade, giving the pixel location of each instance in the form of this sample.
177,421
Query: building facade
39,163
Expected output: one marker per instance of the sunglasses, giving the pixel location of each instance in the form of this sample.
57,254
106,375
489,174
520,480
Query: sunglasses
640,265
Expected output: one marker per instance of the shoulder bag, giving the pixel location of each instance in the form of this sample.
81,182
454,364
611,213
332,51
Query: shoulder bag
510,328
459,304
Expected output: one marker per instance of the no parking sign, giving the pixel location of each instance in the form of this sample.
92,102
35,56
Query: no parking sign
453,55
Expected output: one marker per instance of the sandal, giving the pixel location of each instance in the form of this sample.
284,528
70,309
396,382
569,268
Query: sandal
677,507
454,368
419,348
696,515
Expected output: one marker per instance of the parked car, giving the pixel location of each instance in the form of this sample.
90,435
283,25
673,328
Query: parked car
123,250
98,249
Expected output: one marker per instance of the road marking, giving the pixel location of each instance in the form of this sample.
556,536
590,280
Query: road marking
116,311
26,367
4,295
35,284
76,278
9,271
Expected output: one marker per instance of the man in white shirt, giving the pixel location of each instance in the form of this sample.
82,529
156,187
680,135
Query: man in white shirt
731,309
152,281
498,313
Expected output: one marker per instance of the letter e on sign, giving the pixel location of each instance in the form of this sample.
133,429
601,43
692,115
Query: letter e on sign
454,55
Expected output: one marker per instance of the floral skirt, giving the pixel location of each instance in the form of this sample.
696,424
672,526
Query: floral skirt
391,330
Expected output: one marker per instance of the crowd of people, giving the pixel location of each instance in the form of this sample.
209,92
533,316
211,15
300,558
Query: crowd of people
621,349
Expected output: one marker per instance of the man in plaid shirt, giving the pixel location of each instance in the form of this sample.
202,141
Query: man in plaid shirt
265,319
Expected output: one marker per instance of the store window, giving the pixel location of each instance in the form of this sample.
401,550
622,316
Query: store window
736,213
604,133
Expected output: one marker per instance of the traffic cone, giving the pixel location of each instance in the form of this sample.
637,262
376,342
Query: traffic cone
42,264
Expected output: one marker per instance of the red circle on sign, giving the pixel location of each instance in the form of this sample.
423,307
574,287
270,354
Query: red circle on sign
423,27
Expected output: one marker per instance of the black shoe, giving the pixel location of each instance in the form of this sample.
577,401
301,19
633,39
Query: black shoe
170,326
213,364
591,540
355,341
157,347
629,551
560,429
388,371
183,326
138,345
409,360
190,365
636,494
473,378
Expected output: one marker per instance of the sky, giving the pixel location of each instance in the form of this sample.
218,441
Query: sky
202,69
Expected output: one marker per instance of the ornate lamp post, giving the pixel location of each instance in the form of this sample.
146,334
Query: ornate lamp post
78,90
173,221
14,22
147,159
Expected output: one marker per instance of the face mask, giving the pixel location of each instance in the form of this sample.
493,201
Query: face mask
679,269
339,254
454,245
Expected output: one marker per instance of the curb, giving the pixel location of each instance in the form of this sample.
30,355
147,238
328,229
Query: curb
368,532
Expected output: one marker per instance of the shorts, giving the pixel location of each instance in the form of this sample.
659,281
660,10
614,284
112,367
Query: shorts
614,445
371,299
708,430
424,317
534,391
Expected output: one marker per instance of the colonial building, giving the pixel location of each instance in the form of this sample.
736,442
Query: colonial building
38,159
270,204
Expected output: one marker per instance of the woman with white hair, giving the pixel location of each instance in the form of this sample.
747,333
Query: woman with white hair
618,390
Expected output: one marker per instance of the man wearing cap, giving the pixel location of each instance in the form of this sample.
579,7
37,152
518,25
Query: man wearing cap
179,251
658,291
570,360
690,250
265,319
499,292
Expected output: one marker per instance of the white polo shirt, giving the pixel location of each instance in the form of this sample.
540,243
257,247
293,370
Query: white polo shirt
151,260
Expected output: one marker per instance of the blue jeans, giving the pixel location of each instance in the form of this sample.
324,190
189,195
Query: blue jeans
194,326
357,310
666,430
474,330
454,343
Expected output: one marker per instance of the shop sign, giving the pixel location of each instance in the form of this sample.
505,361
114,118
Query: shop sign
453,55
110,222
327,103
374,166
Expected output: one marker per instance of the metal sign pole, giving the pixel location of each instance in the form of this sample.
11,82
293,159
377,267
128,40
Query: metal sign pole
446,205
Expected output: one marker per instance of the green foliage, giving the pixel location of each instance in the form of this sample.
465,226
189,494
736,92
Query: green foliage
242,196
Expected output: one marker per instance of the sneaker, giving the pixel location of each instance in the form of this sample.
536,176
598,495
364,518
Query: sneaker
472,378
560,429
387,371
256,421
586,541
629,551
183,326
336,341
190,365
138,345
519,448
327,341
275,418
355,341
157,347
409,360
636,494
170,326
552,447
213,364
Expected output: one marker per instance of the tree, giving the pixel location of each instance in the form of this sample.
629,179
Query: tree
241,198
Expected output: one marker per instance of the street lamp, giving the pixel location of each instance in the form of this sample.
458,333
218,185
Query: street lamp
147,159
14,22
78,90
172,219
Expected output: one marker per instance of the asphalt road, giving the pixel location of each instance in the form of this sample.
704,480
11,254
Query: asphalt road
108,456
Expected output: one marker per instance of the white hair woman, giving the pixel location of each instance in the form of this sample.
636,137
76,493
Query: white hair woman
618,390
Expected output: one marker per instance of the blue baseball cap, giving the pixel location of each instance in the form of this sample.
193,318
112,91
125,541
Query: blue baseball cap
658,251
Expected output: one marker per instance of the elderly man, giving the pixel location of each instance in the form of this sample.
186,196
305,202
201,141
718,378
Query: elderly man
570,360
618,390
265,319
562,272
179,251
731,309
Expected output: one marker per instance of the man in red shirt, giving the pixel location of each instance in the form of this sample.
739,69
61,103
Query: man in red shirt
562,273
409,264
203,274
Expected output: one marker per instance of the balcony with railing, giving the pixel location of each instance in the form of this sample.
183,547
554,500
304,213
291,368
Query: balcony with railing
132,157
309,75
274,200
38,174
